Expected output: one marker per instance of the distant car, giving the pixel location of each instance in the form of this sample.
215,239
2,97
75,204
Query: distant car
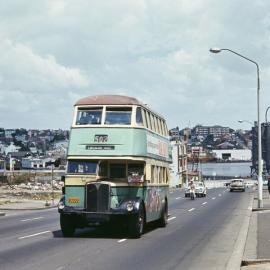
237,184
200,190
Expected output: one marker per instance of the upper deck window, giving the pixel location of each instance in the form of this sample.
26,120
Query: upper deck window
81,166
89,116
139,118
118,116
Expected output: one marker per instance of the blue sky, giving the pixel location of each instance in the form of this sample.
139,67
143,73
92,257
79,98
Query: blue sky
55,52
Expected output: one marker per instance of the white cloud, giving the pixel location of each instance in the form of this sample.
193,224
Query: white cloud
59,51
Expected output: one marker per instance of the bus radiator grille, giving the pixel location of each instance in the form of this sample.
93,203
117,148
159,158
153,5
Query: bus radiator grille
97,197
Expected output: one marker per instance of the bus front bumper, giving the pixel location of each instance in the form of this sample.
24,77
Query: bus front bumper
84,218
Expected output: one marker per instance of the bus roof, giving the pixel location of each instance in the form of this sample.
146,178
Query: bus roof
112,100
108,100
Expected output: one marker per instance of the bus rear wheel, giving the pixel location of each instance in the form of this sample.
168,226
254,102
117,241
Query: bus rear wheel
67,225
137,223
163,221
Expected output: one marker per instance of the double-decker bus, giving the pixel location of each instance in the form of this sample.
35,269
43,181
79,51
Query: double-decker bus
117,166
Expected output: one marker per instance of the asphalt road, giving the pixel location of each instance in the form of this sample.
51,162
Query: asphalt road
201,234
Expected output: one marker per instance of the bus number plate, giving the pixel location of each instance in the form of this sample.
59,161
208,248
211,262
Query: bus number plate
101,138
73,200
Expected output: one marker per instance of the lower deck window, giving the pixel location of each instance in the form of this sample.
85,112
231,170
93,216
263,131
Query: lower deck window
135,172
117,170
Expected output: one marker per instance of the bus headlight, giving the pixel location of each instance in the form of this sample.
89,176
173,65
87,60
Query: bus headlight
130,206
137,205
61,205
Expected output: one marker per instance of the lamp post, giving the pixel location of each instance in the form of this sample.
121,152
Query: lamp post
266,113
260,182
242,121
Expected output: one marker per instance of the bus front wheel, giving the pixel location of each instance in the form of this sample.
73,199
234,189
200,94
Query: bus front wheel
67,225
137,223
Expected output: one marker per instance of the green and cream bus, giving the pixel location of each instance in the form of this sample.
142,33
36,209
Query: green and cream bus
117,165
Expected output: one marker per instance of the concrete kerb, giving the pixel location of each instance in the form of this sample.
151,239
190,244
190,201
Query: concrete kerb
261,209
255,262
235,260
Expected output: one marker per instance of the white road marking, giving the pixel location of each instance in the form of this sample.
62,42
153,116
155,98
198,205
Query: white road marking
35,234
219,195
204,203
178,198
122,240
32,219
192,209
171,218
213,198
171,192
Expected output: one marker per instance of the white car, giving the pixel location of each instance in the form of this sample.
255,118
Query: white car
238,185
200,190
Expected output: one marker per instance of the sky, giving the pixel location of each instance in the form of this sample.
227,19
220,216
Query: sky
54,52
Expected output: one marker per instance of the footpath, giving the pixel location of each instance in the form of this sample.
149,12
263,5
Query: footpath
257,249
26,205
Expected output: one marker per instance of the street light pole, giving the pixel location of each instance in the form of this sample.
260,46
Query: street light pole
266,114
260,182
242,121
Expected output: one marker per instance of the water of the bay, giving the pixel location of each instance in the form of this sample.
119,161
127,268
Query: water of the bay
241,169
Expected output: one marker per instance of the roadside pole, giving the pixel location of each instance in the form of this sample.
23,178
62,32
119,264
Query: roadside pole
52,166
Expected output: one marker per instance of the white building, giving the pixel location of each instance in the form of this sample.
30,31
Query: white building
12,148
178,168
34,163
233,154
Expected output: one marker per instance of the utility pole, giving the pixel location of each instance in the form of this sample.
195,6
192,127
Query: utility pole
52,167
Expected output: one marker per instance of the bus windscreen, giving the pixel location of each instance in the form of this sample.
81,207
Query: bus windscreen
82,166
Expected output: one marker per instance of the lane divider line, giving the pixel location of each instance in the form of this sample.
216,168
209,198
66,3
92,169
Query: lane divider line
29,219
32,235
204,203
219,195
213,198
122,240
178,198
192,209
171,218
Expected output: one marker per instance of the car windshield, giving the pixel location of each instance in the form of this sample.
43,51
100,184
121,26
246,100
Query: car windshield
237,182
199,185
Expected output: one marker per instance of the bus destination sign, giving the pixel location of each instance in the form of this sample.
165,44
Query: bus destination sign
99,147
101,138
